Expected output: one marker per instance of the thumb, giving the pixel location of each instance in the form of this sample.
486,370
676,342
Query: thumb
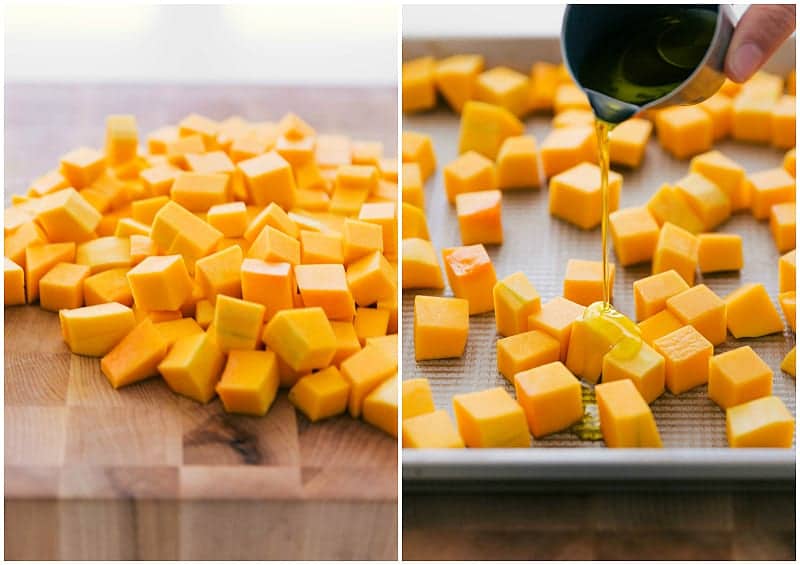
758,34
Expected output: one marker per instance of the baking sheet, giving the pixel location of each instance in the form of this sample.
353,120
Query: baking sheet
540,246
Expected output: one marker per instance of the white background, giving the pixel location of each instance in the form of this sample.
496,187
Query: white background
332,43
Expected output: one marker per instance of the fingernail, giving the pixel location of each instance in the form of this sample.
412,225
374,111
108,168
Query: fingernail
746,60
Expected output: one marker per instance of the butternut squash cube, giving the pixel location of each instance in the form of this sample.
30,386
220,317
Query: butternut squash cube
764,422
221,273
787,272
479,217
658,325
274,246
770,187
515,299
160,283
491,418
625,417
573,117
471,275
719,108
790,162
82,166
318,247
564,148
95,330
782,223
751,118
686,353
292,126
364,371
782,122
136,356
413,191
788,302
249,382
751,313
583,281
269,178
158,180
684,131
518,163
738,376
677,250
728,175
380,407
441,326
269,284
360,239
206,128
193,366
668,205
47,183
204,313
175,230
65,215
470,172
420,267
104,253
700,307
706,199
230,218
543,83
414,222
15,244
484,128
628,141
576,196
14,284
371,278
121,139
455,78
237,323
108,286
419,90
592,337
198,192
62,287
789,363
172,330
302,338
503,87
634,232
645,369
418,148
326,286
556,318
570,97
551,398
525,351
274,216
321,395
719,252
347,342
296,151
432,430
40,259
383,214
417,398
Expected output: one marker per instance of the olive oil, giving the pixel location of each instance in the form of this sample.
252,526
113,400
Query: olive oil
647,57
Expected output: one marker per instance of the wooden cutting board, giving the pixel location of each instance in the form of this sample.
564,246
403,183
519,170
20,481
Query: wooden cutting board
141,473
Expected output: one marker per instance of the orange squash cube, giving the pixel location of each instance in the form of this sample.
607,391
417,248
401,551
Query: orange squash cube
790,162
764,422
441,326
237,323
570,97
686,353
700,307
380,407
326,286
543,83
525,351
95,330
479,217
738,376
122,140
503,87
782,224
413,190
365,371
782,122
269,284
583,281
269,178
646,370
573,117
62,287
515,299
318,247
708,201
564,148
47,183
220,273
414,222
15,244
274,216
470,172
65,215
82,166
787,270
302,338
677,250
109,286
160,283
658,325
359,239
634,232
726,174
684,131
173,330
274,246
206,128
136,356
556,318
371,279
576,195
230,218
719,252
104,253
551,398
193,365
650,294
518,163
420,266
625,417
770,187
419,90
175,230
417,398
158,180
14,284
455,78
484,127
383,214
669,205
434,430
471,275
628,141
418,148
321,395
788,302
249,382
719,108
491,418
751,313
40,259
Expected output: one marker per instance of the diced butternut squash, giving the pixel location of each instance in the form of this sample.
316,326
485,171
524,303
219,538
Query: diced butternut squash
787,272
95,330
484,128
413,190
718,252
576,196
667,205
321,395
108,286
269,178
158,180
503,87
121,139
583,281
380,407
47,183
738,376
646,369
417,398
726,174
455,78
764,422
625,417
782,122
62,287
206,128
684,131
515,299
237,323
175,230
193,366
628,140
293,127
104,253
82,166
40,259
676,249
783,225
269,284
565,148
770,187
480,217
432,430
272,215
65,215
383,214
421,268
14,284
320,247
789,363
788,302
570,97
414,222
518,163
543,84
751,313
658,325
650,294
360,239
326,286
525,351
418,148
302,338
419,90
15,244
160,283
136,356
249,382
173,330
700,307
347,342
719,108
364,371
790,162
471,275
573,117
751,117
470,172
551,398
634,232
491,418
441,326
274,246
230,218
686,353
371,279
556,318
706,199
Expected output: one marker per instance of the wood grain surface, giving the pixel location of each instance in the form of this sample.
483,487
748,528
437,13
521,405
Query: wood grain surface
141,473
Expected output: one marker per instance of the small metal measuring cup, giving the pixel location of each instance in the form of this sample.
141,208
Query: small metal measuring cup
582,25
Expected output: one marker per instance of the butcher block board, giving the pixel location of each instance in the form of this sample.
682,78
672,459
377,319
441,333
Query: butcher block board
692,427
141,473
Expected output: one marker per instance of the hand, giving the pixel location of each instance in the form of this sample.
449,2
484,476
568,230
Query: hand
758,34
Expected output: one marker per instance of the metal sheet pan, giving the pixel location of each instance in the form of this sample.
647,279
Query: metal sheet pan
692,427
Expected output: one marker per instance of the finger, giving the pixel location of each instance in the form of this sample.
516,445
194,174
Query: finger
758,34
